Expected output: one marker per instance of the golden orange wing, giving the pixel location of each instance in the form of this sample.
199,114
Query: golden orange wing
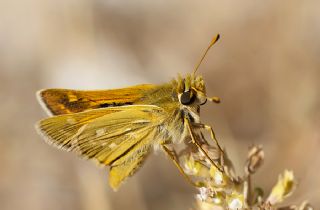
66,101
120,137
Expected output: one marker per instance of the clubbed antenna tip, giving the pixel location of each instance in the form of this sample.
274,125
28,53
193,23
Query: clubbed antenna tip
214,40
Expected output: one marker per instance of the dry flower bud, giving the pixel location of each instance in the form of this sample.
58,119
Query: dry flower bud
255,159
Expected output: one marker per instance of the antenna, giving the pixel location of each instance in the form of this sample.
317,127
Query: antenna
214,40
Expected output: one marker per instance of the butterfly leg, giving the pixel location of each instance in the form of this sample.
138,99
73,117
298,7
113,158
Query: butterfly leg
212,134
198,144
174,158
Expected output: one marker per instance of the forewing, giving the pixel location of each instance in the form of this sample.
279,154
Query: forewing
65,101
106,134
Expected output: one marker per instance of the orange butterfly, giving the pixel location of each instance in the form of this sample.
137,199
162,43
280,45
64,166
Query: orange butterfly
121,127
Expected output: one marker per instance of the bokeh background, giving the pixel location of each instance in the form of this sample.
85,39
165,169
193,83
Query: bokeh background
266,69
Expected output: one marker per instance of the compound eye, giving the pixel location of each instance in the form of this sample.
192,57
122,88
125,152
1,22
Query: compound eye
186,98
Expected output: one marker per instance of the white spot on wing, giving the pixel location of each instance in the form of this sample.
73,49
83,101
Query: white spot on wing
71,121
112,145
100,132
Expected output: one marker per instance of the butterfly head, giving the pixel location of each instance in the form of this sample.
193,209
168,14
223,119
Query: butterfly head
191,90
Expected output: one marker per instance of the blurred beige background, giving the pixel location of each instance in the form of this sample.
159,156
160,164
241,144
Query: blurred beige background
266,69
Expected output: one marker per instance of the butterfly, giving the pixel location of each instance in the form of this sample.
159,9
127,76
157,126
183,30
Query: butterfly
121,127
